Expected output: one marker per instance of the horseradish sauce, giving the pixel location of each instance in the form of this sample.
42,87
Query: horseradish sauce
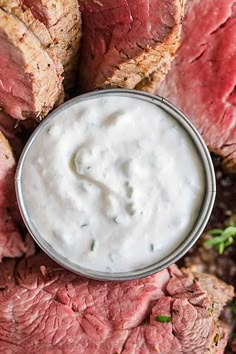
113,183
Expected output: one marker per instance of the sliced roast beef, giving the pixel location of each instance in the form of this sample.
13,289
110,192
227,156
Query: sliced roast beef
35,26
202,80
11,242
46,309
63,21
25,69
127,43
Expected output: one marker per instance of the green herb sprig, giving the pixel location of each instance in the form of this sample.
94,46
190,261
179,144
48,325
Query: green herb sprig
221,239
163,319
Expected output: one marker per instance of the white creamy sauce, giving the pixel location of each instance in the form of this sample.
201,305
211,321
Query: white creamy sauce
113,184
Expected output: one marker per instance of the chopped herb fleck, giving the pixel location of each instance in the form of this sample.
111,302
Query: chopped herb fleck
115,220
151,247
84,225
130,209
163,319
93,245
111,256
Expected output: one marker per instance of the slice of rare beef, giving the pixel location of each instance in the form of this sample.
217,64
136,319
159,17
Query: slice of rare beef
25,69
63,21
128,43
11,228
202,80
35,26
46,309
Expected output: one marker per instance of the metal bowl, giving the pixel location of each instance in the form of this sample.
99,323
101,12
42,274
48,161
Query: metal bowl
204,212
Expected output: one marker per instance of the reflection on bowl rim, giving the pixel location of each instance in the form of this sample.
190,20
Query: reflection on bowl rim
204,212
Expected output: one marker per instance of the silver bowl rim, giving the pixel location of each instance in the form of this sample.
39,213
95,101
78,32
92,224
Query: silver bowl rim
204,212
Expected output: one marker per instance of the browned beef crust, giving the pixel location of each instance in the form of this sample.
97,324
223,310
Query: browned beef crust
127,44
35,26
25,69
63,21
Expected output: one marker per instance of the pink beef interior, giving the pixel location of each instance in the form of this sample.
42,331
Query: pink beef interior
40,9
116,31
203,77
15,86
11,228
46,309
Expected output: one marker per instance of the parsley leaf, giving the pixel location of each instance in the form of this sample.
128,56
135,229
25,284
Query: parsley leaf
163,319
221,239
